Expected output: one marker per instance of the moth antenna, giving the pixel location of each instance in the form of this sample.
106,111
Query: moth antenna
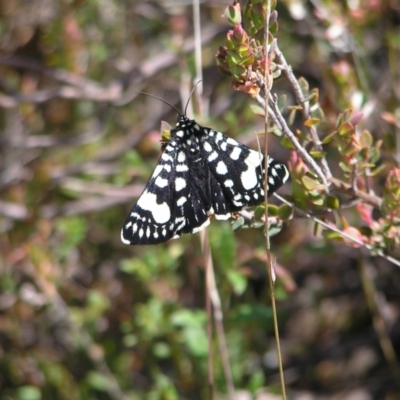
191,94
162,100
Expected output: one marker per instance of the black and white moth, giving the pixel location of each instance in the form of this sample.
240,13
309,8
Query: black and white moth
201,173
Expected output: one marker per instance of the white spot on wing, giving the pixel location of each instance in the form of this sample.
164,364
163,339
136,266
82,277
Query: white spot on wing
181,157
249,177
228,183
207,147
236,153
182,168
181,201
166,157
201,227
157,170
123,240
180,184
160,212
231,141
212,156
223,216
161,182
221,168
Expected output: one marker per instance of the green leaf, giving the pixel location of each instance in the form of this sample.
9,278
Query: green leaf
366,139
161,350
332,202
29,393
312,122
304,86
346,129
328,138
233,14
309,183
317,154
97,381
272,210
259,212
285,212
238,281
239,222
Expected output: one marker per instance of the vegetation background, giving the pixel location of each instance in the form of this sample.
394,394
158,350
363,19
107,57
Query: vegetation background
83,316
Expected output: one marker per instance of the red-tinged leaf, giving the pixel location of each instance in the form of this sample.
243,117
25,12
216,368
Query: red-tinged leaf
356,118
356,234
365,212
390,118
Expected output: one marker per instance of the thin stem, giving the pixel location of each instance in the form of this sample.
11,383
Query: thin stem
338,231
269,263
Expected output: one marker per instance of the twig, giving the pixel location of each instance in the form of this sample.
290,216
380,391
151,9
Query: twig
277,117
298,93
338,231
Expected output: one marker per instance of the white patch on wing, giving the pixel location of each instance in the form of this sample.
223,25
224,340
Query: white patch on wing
166,157
249,177
212,156
157,170
180,184
236,153
228,183
201,227
182,168
223,216
221,168
161,182
207,147
181,157
123,240
231,141
160,212
181,201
